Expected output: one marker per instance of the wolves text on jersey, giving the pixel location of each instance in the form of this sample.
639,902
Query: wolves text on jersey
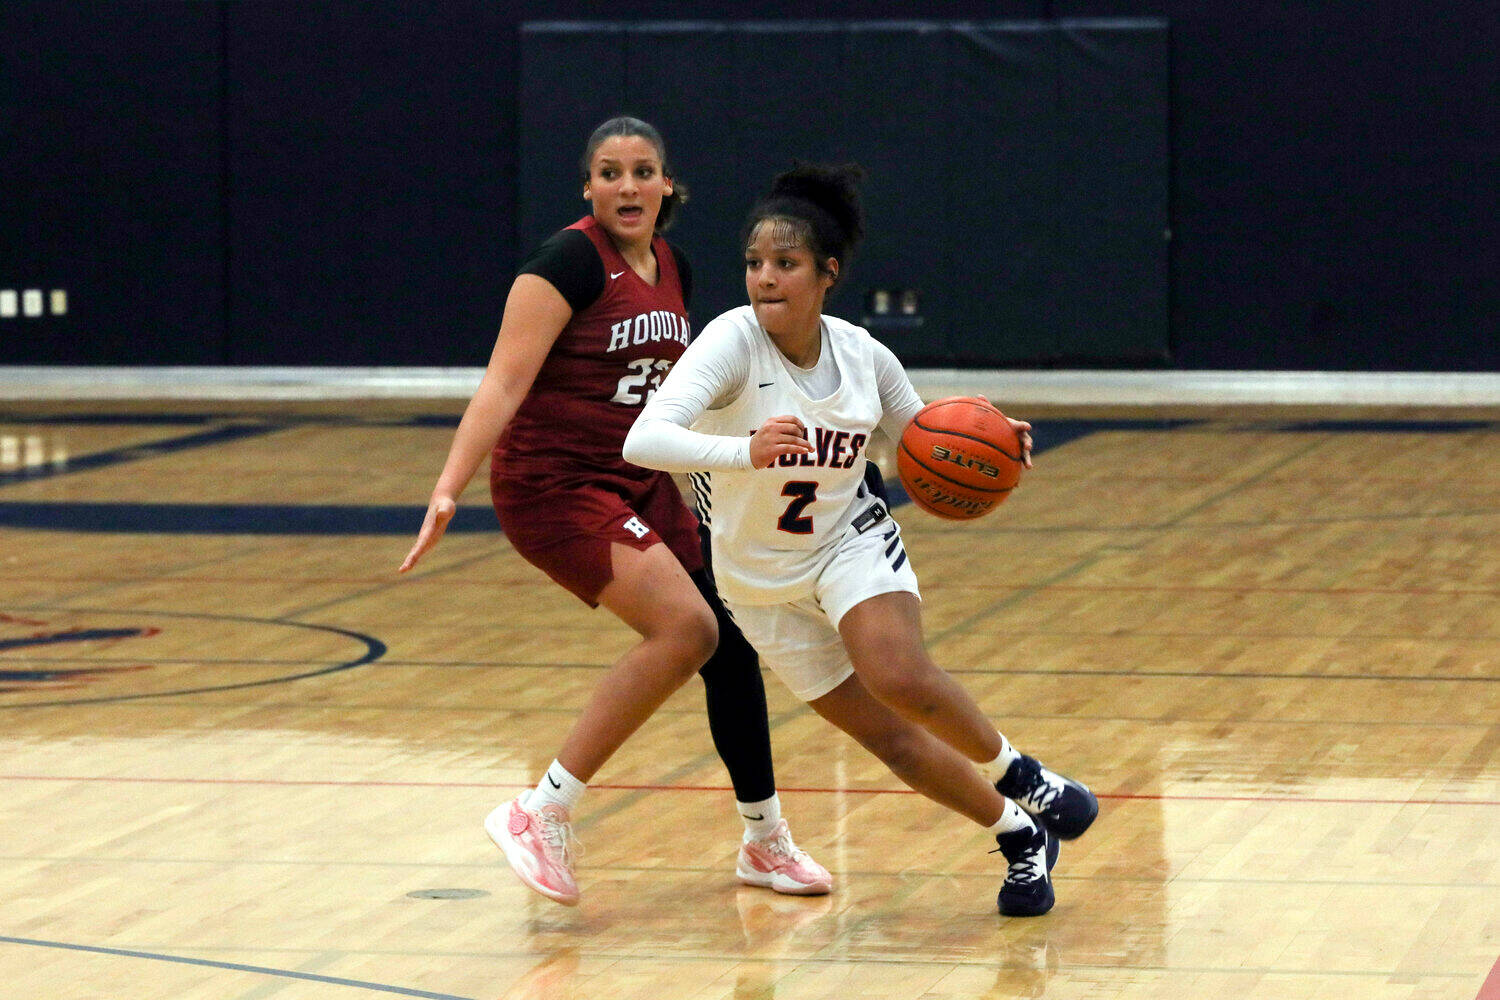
648,328
834,449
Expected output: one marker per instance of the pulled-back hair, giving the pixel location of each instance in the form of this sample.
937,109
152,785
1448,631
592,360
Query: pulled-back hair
627,126
814,205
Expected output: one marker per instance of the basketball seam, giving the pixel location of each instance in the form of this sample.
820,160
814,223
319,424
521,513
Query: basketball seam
960,434
949,479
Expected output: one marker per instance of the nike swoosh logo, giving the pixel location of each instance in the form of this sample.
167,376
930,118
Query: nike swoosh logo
551,782
754,819
764,384
612,277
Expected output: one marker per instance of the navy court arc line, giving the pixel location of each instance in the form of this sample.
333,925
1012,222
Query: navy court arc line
262,970
374,650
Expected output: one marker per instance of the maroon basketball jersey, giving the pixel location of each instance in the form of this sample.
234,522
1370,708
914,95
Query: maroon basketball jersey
606,361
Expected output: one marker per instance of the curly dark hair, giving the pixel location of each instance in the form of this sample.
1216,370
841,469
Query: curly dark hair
815,205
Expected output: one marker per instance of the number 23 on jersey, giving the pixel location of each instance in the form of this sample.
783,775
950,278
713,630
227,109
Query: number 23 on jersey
642,382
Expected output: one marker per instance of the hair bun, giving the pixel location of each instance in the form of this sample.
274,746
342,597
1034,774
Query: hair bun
832,187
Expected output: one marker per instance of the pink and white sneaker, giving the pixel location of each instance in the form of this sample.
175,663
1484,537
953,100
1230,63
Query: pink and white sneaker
777,863
539,845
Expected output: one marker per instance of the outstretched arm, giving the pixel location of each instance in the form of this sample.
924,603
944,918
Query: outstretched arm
535,313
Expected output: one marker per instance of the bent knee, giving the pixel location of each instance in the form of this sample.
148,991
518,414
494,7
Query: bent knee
703,635
693,635
898,748
911,687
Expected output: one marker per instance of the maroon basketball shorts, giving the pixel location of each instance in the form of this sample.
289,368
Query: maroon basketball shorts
567,531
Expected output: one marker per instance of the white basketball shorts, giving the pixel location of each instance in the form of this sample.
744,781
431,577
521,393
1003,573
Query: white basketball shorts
800,641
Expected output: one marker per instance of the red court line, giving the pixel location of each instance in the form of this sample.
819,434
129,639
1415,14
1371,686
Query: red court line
1491,988
1117,796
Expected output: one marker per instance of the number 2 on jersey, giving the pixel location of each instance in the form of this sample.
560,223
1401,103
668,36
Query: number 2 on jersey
803,495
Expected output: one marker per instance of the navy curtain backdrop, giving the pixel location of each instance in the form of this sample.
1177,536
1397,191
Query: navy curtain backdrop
1017,172
352,182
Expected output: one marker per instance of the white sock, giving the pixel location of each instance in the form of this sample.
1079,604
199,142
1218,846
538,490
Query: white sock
1012,819
557,788
995,769
760,817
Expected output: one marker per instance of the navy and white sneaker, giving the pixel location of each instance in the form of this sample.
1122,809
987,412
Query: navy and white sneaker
1064,806
1027,891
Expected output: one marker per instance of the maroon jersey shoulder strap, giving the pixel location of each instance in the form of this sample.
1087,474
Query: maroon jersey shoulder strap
596,234
666,262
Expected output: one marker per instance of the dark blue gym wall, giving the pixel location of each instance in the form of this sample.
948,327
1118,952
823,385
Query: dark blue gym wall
1062,253
111,151
336,181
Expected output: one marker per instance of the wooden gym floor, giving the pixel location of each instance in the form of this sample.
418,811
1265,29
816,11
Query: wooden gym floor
241,759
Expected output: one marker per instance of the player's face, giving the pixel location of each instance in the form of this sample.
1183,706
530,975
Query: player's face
785,286
626,186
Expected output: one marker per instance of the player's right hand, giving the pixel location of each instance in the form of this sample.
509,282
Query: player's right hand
784,435
439,512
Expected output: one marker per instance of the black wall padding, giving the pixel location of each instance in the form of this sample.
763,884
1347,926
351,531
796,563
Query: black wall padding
362,211
1018,171
111,182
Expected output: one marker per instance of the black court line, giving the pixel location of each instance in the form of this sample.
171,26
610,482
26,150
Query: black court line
1386,426
322,519
394,519
12,417
233,967
235,518
678,958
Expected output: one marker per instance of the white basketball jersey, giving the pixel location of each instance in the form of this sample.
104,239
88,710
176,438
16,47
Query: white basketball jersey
774,529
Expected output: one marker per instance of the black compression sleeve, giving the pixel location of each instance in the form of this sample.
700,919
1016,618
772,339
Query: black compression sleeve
736,697
571,264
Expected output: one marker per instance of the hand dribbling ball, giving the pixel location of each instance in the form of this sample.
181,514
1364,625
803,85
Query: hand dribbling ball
959,458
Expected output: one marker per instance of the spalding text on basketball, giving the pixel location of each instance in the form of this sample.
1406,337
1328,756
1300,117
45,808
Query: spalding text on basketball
936,495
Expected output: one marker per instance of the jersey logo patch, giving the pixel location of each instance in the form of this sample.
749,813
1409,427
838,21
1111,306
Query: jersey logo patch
612,277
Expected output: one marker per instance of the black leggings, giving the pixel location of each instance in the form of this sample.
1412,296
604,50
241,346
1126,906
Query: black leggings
735,692
737,704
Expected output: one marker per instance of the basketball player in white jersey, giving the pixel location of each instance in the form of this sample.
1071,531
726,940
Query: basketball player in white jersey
776,402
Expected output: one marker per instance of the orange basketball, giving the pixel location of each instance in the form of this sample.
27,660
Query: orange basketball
959,458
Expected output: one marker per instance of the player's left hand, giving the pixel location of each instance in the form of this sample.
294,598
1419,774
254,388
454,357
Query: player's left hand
439,512
1023,434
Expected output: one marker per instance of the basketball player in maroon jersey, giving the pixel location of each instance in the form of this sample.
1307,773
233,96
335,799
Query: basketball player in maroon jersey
594,321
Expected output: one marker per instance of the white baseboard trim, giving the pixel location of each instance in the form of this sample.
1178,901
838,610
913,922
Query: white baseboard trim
1013,387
